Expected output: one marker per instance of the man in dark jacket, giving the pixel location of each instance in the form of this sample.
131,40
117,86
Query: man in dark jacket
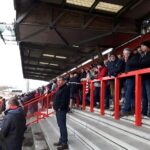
115,66
145,63
61,106
13,125
132,63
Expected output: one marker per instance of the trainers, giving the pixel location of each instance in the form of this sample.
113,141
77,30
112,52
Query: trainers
57,144
122,114
144,117
63,147
111,109
132,112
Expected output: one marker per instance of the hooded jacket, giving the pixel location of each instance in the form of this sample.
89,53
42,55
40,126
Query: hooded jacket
13,127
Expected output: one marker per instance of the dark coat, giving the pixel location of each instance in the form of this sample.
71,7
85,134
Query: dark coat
13,128
62,98
145,63
133,62
115,67
74,86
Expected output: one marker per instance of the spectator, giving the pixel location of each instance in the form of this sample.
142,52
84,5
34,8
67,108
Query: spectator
115,66
102,71
2,104
120,57
61,106
145,63
105,63
82,76
13,125
74,82
131,63
54,85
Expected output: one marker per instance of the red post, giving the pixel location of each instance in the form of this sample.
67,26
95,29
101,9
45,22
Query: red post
37,117
84,95
102,97
91,96
117,96
47,104
138,121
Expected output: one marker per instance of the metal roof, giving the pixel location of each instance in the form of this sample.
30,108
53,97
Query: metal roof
72,29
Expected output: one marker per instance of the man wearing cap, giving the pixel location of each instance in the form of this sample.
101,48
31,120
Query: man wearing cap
145,63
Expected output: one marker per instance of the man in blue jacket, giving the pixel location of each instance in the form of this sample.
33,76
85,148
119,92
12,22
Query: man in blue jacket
13,125
61,106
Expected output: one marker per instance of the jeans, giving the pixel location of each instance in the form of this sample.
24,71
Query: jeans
80,96
96,95
61,121
107,96
129,95
145,96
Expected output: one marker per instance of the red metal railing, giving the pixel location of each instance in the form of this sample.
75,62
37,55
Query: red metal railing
138,83
38,108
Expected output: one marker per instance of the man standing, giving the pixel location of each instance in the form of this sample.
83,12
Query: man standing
132,62
145,63
61,106
13,125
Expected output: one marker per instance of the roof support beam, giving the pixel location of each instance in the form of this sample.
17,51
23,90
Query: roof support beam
52,49
84,12
94,5
94,38
118,19
60,35
52,24
34,34
25,14
40,72
125,9
44,67
48,60
38,78
88,22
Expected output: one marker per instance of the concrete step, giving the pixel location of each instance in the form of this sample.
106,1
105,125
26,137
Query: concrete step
74,142
28,143
141,132
38,137
116,136
92,139
130,119
51,132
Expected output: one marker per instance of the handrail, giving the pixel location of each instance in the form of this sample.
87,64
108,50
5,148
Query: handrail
137,74
35,116
31,100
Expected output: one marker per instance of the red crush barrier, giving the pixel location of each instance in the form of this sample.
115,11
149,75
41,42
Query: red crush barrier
138,83
38,108
91,96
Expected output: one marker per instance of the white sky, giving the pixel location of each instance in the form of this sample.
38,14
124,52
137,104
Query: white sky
10,61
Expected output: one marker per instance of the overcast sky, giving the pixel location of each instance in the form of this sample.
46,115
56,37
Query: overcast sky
10,61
